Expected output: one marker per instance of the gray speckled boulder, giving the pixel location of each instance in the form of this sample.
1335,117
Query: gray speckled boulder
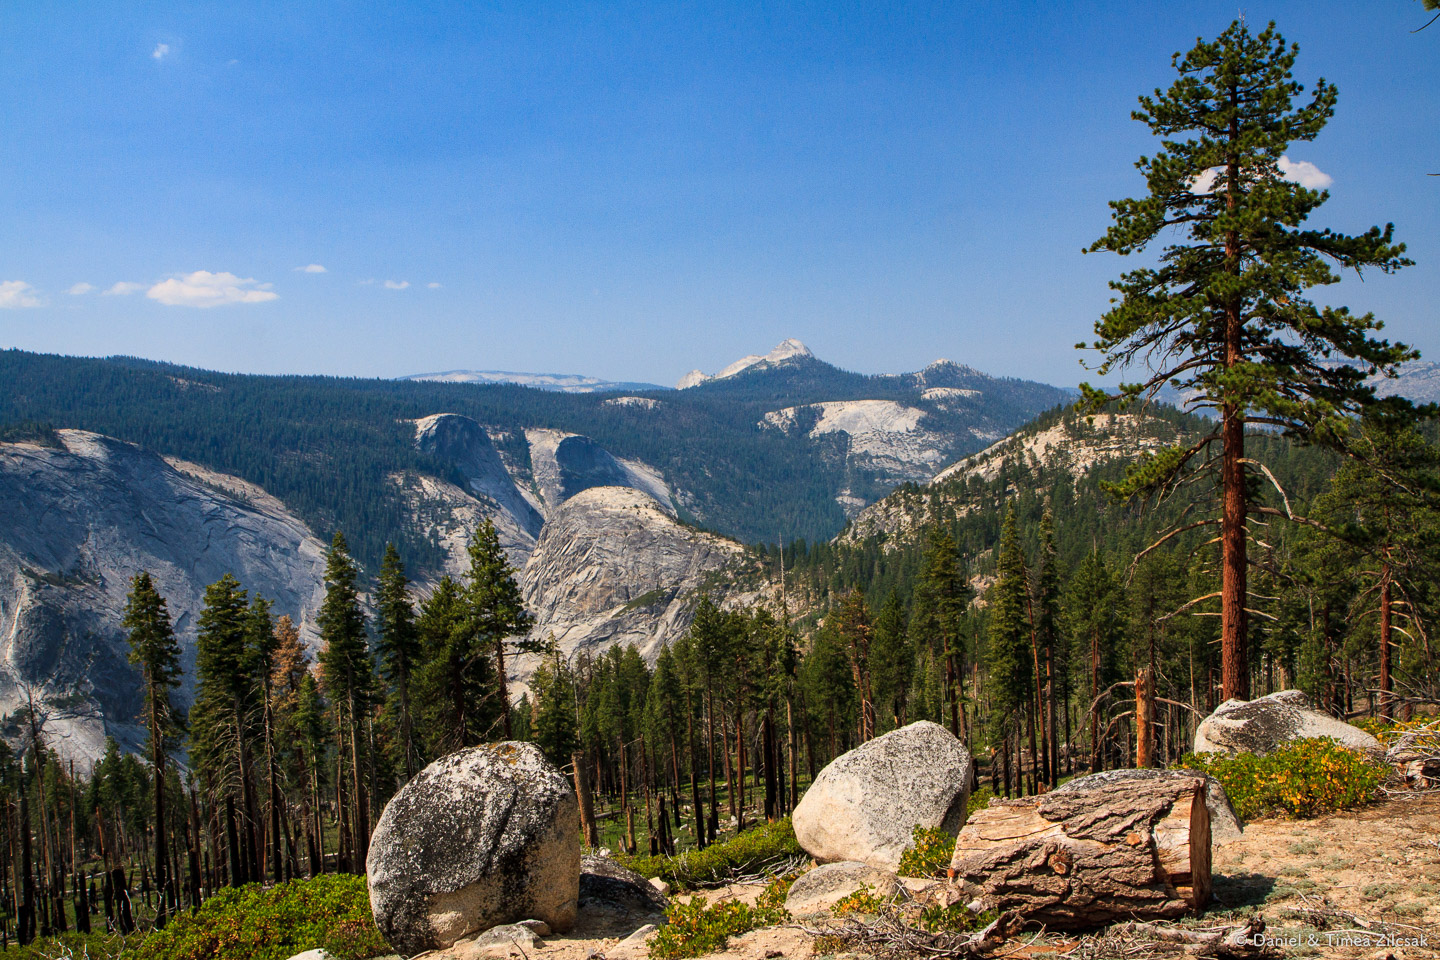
606,885
1259,726
866,803
485,836
1224,825
816,891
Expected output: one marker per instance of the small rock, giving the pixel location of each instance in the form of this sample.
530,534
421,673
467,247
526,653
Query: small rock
820,889
316,954
866,803
639,936
661,886
539,927
510,933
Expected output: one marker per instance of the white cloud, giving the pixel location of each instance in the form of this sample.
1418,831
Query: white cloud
18,293
1304,173
396,284
80,289
1205,183
161,51
433,285
312,268
369,282
205,289
124,288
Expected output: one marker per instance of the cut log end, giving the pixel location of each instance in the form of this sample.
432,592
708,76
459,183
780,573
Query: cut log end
1133,851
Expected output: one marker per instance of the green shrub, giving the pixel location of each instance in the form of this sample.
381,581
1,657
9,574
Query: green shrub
696,928
929,856
861,901
956,918
750,852
979,800
1303,778
255,923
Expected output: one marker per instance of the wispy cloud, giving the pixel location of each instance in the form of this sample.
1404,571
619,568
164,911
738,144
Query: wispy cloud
80,289
205,289
311,268
396,284
124,288
433,285
17,293
1305,173
161,51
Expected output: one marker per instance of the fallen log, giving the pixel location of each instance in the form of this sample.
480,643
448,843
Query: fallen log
1132,851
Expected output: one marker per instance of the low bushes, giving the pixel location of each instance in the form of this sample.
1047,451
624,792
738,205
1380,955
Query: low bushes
256,923
930,856
1303,778
750,852
696,928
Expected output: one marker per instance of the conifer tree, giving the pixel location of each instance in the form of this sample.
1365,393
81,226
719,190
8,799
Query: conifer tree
555,729
1225,314
1009,637
348,673
497,610
941,597
153,649
399,648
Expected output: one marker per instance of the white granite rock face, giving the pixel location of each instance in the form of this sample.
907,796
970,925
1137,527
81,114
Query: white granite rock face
866,803
77,522
486,836
1259,726
613,567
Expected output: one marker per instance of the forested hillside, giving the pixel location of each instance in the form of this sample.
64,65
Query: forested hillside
326,446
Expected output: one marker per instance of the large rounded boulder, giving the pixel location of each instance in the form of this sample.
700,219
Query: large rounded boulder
866,804
484,836
1224,824
1260,726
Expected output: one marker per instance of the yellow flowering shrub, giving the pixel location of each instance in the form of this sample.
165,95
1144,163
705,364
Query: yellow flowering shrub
1303,778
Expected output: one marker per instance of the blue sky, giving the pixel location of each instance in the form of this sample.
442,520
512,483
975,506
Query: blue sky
631,191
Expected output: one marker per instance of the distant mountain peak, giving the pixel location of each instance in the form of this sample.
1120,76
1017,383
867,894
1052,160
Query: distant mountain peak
559,382
787,349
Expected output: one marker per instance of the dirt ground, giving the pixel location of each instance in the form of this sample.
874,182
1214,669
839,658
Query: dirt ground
1363,884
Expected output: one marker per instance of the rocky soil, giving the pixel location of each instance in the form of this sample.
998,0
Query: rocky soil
1360,875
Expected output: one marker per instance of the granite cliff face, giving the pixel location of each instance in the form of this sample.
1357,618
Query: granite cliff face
77,521
612,566
1072,444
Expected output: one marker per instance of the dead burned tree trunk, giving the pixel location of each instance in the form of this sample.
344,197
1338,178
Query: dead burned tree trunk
1137,851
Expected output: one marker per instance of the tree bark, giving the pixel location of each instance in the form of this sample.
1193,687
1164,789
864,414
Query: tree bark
1386,710
1144,718
1082,860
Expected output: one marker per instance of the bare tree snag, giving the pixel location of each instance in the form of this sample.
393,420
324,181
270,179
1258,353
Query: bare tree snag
1132,851
1144,718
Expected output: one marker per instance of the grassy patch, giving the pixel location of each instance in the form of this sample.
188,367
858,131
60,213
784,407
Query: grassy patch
1304,778
750,852
255,923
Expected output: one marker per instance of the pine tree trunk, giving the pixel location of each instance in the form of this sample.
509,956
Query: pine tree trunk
587,801
1386,709
1144,718
1138,850
1235,661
